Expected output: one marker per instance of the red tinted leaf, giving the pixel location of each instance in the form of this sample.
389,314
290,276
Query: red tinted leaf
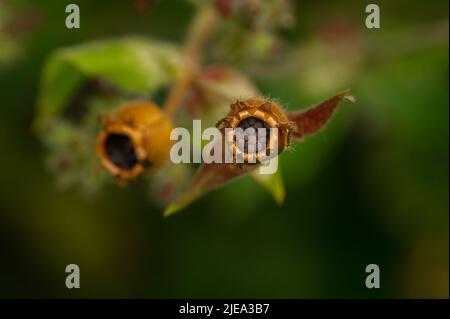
224,7
215,88
168,183
207,178
311,120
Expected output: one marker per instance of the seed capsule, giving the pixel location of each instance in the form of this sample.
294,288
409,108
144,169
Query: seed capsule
135,139
256,117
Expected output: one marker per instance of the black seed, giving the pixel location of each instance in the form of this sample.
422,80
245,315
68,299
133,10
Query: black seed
255,124
120,151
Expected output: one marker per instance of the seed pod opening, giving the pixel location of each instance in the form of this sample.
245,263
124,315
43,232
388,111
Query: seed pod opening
120,150
135,139
260,128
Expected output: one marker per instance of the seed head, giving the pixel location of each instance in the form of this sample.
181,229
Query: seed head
256,117
135,139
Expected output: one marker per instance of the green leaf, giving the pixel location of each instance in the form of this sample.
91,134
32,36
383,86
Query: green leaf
273,183
133,65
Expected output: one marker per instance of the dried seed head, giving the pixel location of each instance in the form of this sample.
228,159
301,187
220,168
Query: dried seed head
135,139
256,117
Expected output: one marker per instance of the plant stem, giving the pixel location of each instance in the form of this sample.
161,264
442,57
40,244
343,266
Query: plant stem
198,35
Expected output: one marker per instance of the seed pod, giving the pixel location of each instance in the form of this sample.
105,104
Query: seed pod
257,113
135,139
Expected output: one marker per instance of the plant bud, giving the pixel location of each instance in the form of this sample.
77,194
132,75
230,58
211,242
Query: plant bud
135,139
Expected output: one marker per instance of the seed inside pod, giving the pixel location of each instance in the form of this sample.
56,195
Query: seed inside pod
266,127
135,139
252,136
120,151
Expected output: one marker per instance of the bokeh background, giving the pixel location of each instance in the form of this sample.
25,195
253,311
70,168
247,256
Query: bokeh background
371,188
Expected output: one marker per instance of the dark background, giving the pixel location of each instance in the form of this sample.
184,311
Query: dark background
371,188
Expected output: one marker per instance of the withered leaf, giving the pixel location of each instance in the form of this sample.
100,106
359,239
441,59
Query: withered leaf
207,178
313,119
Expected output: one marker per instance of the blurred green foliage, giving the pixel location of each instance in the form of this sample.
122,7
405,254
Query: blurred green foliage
134,65
371,188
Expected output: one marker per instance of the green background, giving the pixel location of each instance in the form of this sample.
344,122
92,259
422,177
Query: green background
371,188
